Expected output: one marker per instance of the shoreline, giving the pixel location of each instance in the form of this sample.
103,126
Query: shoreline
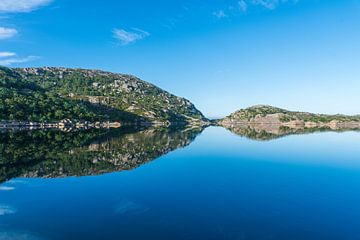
64,124
72,124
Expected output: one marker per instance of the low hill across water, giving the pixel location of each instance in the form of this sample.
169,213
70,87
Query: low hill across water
263,114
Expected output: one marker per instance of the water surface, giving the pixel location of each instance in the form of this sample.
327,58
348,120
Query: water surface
171,184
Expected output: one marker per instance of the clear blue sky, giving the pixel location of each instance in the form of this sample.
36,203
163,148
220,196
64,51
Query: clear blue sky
222,54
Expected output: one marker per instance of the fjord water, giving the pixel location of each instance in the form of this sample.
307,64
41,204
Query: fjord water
181,185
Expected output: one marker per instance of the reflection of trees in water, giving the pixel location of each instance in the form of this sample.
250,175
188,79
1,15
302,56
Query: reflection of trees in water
59,154
265,132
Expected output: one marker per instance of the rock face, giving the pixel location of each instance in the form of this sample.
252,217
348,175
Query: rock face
268,115
89,95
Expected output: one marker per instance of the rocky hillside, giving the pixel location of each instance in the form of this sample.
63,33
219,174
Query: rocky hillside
263,114
52,94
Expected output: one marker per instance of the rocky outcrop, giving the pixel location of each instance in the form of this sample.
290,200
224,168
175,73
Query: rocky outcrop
266,122
268,115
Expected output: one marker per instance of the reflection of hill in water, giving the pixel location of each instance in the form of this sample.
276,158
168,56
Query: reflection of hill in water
266,132
79,153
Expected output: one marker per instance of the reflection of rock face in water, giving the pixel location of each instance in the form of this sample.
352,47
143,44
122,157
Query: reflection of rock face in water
264,131
58,154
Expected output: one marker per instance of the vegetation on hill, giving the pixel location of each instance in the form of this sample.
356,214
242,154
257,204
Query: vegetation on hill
52,94
263,113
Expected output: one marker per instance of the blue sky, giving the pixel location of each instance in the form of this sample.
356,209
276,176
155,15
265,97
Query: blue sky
222,54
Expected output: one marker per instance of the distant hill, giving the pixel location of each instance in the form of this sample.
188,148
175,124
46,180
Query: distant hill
263,114
52,94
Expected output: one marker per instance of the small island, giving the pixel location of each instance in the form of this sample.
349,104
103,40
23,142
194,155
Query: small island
263,122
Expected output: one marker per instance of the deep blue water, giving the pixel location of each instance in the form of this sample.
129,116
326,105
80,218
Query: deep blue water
221,186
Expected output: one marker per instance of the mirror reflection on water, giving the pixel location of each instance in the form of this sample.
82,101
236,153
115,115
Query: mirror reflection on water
262,182
54,153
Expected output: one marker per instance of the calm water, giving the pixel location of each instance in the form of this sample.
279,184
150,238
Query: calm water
162,184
